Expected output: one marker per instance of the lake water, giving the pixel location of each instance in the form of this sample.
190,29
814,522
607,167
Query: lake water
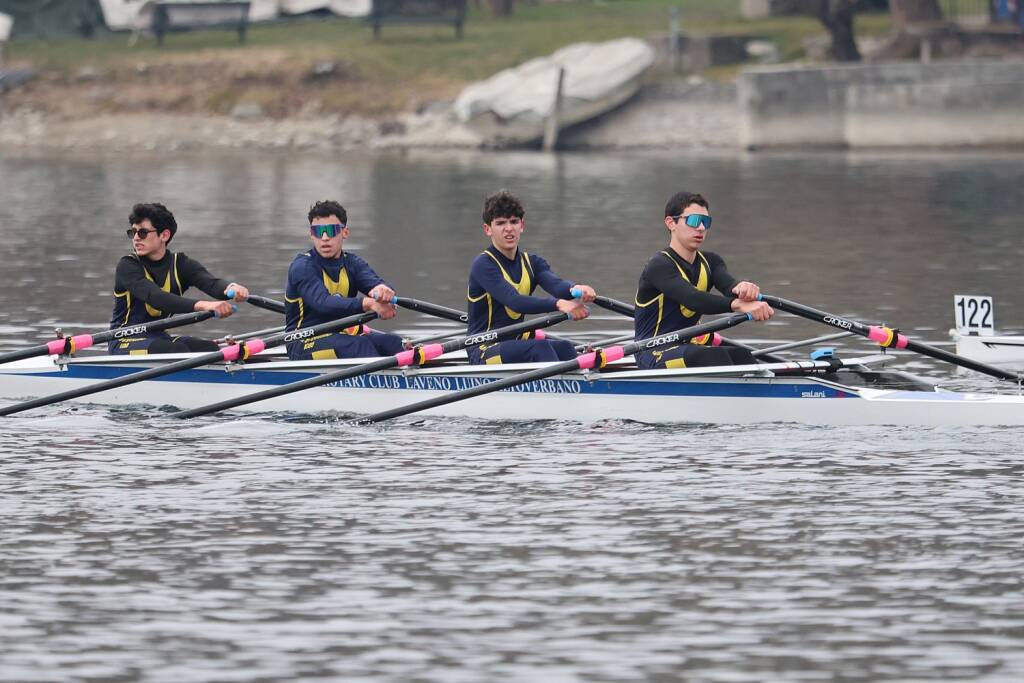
296,547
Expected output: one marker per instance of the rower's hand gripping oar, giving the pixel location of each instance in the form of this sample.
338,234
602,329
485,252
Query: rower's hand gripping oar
415,356
240,351
885,337
594,359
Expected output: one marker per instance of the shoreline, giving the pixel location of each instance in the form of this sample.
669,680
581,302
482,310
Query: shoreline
677,113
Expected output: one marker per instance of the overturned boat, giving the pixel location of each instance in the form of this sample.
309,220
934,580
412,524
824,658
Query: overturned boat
513,106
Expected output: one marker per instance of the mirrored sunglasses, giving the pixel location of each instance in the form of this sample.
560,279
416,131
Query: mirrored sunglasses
695,220
328,230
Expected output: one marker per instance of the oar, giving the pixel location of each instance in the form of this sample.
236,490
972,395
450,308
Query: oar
803,342
415,356
69,345
884,336
265,303
628,310
594,359
430,309
242,350
451,313
232,338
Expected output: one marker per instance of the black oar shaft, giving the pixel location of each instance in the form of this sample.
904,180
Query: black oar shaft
265,303
885,337
404,358
431,309
228,353
616,306
581,362
84,341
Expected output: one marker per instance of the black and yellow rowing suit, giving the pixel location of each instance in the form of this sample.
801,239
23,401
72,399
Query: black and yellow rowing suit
673,294
320,290
500,293
147,290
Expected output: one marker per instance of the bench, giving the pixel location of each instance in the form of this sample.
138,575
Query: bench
170,16
418,12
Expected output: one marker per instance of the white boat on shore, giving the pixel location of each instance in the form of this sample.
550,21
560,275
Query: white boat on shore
512,106
805,392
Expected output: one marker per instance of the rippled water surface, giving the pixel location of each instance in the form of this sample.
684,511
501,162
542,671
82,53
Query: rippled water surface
296,547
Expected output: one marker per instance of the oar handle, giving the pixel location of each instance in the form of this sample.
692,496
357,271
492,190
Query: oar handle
884,336
262,302
430,309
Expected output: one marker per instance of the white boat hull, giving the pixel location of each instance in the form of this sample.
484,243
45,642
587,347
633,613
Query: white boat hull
653,396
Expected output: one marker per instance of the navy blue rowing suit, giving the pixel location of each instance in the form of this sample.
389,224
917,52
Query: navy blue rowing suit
500,293
673,295
147,290
320,290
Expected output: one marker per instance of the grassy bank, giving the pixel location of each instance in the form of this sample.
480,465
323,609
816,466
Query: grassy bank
208,72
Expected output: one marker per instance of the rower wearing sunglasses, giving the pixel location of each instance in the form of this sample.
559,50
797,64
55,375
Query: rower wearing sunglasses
150,284
327,283
675,291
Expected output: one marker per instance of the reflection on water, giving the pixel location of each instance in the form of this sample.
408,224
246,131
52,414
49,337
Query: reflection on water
296,547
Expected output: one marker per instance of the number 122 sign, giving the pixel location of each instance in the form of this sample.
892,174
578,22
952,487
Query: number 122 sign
974,314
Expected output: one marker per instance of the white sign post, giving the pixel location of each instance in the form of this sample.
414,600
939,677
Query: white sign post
974,315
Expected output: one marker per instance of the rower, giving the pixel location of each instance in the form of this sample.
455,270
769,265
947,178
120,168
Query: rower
502,280
675,291
150,284
324,284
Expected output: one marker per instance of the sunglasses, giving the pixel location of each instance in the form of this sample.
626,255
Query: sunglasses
143,233
695,220
329,230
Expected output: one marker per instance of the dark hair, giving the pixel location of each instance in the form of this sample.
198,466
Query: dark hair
158,216
502,204
680,200
328,208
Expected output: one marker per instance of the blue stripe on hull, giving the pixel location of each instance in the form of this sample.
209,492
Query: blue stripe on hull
421,382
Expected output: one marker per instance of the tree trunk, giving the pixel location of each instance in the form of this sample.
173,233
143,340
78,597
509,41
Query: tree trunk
914,11
501,8
837,16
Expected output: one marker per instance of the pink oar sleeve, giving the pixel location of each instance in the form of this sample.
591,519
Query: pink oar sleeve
75,343
887,338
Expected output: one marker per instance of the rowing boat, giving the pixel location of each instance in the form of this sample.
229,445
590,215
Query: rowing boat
831,392
1002,351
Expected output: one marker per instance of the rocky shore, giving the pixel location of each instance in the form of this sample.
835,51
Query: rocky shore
685,113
